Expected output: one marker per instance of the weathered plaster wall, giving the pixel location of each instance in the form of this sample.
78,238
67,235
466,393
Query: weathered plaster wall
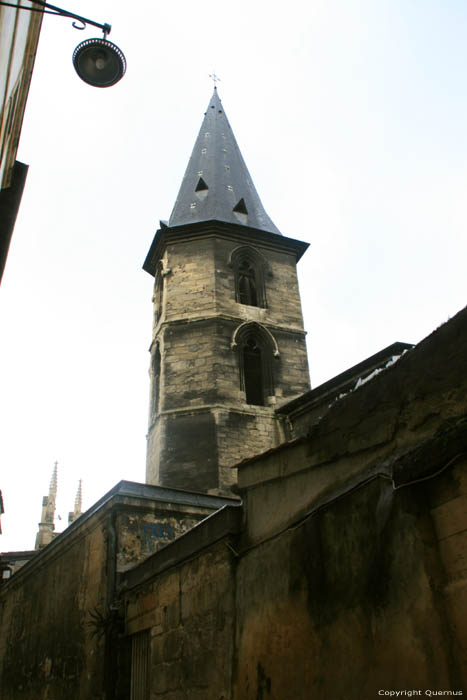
60,617
47,650
302,413
143,530
352,600
367,431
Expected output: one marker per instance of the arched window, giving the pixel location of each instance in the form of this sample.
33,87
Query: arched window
247,284
253,373
249,267
257,349
158,294
156,380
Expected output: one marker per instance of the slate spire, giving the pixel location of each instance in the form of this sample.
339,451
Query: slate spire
217,184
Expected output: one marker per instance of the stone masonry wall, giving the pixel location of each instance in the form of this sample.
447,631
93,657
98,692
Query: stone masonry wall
189,613
187,456
200,367
190,286
194,436
196,358
257,429
154,440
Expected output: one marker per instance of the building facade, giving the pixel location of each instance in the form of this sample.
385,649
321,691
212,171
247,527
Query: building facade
19,37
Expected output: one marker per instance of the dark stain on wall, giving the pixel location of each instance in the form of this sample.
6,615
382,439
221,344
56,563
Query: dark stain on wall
264,683
190,441
354,553
53,655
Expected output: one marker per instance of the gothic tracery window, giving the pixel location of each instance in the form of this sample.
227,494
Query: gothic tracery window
249,273
247,284
156,379
158,292
256,350
253,373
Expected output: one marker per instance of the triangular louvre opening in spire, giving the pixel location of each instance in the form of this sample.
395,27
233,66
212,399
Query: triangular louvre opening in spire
240,211
201,189
240,207
201,186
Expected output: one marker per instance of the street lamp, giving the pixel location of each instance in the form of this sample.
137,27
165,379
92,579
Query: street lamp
97,61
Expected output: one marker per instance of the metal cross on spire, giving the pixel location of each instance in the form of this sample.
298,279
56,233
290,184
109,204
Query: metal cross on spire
215,79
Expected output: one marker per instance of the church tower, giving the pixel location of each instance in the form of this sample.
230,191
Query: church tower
228,341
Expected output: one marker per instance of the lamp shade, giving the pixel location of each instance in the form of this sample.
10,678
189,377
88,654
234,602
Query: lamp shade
99,62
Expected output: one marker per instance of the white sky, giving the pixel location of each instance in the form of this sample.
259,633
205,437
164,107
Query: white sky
351,116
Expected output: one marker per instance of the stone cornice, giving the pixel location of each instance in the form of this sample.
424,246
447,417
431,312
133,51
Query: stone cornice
219,229
264,411
224,317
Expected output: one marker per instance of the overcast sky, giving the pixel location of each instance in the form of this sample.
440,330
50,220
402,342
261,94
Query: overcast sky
352,118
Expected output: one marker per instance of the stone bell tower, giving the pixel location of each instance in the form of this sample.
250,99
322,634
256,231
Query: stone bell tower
228,342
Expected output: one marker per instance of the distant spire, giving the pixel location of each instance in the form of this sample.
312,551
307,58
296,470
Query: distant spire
78,498
51,500
217,184
53,481
73,515
47,526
